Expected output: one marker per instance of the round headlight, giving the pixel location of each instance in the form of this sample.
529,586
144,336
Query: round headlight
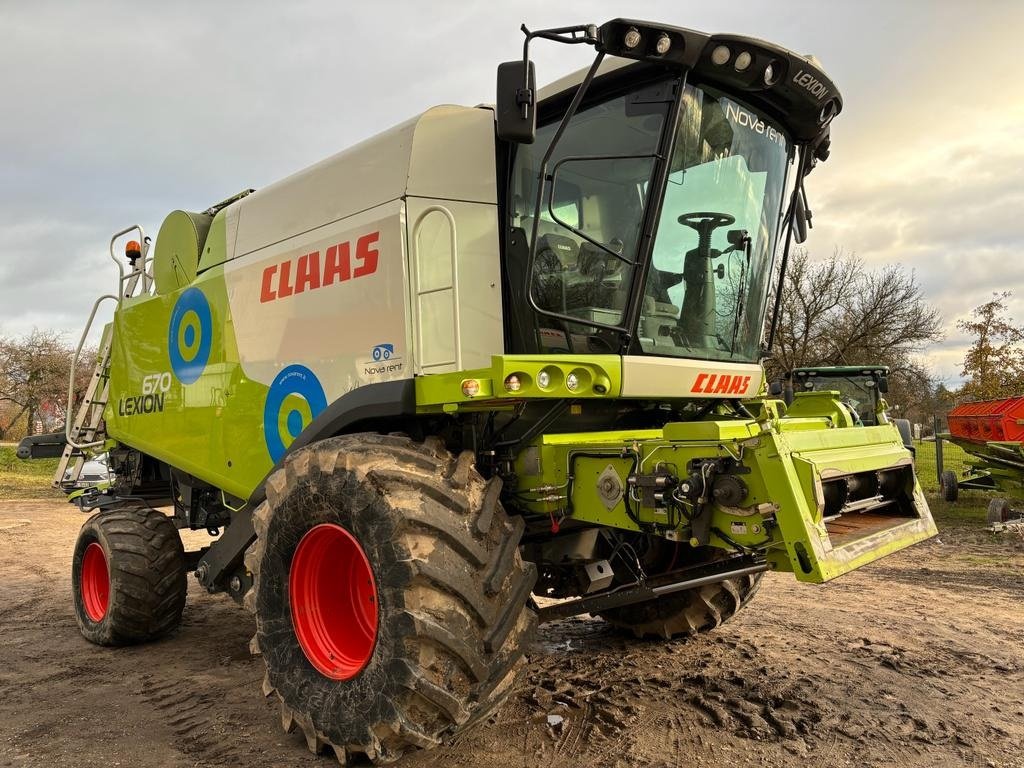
572,382
632,38
720,55
470,387
663,44
512,383
769,74
544,379
743,61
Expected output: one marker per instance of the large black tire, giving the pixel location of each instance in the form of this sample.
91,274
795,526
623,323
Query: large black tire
145,572
950,488
687,612
452,593
681,613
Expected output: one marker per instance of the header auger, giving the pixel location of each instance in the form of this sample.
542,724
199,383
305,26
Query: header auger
487,354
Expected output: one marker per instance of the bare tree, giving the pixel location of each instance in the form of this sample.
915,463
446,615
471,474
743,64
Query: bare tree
837,311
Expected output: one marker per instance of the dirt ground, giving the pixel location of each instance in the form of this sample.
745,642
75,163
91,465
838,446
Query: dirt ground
915,661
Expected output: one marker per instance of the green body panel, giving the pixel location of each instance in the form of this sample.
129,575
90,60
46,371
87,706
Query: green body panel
598,376
190,426
213,251
782,513
179,244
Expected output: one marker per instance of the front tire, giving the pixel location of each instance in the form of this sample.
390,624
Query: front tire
128,576
436,594
688,612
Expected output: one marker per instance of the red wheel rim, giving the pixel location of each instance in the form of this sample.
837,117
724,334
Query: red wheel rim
95,584
334,601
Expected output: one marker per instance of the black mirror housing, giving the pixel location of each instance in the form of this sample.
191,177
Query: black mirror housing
517,88
883,384
799,219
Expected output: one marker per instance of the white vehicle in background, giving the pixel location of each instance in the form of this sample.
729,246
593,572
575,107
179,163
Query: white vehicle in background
94,471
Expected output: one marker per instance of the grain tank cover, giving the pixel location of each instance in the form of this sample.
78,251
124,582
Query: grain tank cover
178,246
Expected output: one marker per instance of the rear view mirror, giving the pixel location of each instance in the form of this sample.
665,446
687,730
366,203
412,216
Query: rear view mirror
883,384
517,94
799,219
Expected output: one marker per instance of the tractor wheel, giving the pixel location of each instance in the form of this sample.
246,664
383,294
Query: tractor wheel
392,606
128,576
682,613
950,488
999,511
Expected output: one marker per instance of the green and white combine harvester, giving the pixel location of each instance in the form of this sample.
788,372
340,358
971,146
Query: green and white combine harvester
491,353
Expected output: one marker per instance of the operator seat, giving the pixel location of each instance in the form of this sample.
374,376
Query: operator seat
556,254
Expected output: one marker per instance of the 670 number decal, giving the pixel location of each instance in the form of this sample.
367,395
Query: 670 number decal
154,388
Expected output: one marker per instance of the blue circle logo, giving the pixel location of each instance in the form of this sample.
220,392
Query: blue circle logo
295,398
190,335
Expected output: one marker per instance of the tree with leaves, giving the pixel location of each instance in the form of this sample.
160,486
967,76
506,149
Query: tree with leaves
34,371
994,363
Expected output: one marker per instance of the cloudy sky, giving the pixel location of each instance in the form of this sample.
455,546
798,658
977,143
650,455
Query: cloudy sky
117,113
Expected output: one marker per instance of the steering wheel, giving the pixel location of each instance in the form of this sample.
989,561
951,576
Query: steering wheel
706,222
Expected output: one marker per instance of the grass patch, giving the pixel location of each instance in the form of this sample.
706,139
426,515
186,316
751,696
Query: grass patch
953,457
20,479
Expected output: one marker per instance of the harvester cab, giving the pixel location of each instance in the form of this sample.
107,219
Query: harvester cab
489,353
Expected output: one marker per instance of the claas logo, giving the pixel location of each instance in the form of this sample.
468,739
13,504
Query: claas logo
337,265
721,384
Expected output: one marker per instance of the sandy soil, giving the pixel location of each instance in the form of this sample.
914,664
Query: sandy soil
915,661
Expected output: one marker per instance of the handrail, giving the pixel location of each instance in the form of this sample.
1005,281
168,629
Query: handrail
139,270
74,363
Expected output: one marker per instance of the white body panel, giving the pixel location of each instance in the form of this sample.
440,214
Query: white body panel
332,328
428,189
668,377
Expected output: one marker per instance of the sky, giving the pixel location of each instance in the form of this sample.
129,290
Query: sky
116,113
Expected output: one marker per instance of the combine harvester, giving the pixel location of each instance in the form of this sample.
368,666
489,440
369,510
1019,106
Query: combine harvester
493,352
992,432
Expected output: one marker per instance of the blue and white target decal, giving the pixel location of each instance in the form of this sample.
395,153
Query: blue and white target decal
190,335
295,398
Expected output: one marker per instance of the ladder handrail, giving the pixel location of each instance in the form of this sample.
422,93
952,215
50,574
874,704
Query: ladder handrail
139,269
74,364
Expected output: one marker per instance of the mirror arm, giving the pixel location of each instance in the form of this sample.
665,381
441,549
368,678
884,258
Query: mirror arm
581,33
806,161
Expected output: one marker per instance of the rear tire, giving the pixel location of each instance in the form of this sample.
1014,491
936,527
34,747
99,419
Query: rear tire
435,554
950,488
128,576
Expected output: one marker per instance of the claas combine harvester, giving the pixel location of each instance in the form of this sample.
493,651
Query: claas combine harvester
490,354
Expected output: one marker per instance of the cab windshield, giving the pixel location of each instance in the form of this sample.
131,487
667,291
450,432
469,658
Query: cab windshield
708,282
858,392
707,285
